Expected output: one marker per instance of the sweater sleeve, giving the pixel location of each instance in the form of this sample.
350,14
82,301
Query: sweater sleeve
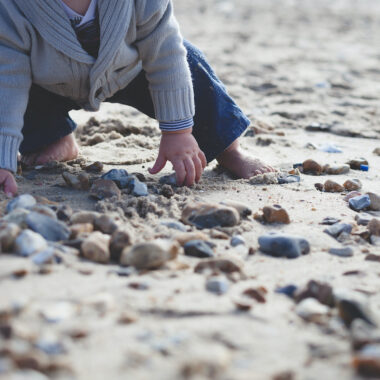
15,82
163,56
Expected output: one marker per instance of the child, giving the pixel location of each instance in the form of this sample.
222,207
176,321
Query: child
60,55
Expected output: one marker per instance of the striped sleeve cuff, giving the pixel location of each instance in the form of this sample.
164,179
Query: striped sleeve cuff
177,125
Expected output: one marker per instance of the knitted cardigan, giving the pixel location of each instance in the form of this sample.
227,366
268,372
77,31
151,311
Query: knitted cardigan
38,45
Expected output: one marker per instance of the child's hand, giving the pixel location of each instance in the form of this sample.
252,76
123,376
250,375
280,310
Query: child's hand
182,150
8,182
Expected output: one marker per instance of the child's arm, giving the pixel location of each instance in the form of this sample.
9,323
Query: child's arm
15,82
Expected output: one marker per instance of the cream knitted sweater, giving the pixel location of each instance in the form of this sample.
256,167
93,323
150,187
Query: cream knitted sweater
38,45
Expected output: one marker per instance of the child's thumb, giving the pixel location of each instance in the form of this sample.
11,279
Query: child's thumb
158,165
10,186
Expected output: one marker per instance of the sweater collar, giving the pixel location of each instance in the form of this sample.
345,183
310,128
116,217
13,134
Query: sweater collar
51,21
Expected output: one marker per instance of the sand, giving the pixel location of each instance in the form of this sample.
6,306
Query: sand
289,64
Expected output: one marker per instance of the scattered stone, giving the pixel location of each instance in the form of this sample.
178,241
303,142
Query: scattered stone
288,290
81,182
275,214
332,187
375,240
50,229
84,217
330,221
285,179
377,151
311,167
220,235
25,201
319,186
138,189
373,257
105,224
257,294
352,194
198,248
264,179
175,225
128,317
8,235
64,213
217,284
167,191
208,215
96,248
352,307
312,311
169,180
96,167
182,239
17,216
119,176
218,265
103,188
352,185
241,208
342,252
319,290
367,361
356,163
336,229
237,240
359,203
151,255
336,169
374,227
138,286
28,243
76,230
123,271
362,219
44,257
375,201
282,245
285,375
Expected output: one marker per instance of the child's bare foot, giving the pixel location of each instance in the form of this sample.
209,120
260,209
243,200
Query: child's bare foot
64,149
241,165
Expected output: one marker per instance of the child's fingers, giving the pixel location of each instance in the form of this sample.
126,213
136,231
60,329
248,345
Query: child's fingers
180,172
203,159
9,184
190,171
158,165
198,168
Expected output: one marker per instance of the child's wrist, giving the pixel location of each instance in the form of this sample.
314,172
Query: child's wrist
181,131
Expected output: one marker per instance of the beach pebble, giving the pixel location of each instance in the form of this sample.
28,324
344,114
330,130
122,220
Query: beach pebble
240,207
332,187
336,169
375,240
208,215
103,188
198,248
342,252
119,240
359,203
25,201
357,162
151,255
275,214
174,225
183,238
105,224
362,219
219,265
321,291
17,216
50,229
119,176
168,180
283,245
377,151
138,189
367,361
8,235
76,230
311,167
352,194
44,257
312,311
96,248
64,213
374,227
237,240
352,185
319,186
28,243
80,182
44,210
167,191
96,167
336,229
288,290
84,217
282,180
217,284
330,221
375,201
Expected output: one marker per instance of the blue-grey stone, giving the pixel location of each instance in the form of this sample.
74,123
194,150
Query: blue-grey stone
198,248
360,203
43,257
237,240
289,179
336,229
50,229
119,176
329,220
342,252
175,225
168,180
218,285
138,189
51,347
288,290
25,201
283,245
28,243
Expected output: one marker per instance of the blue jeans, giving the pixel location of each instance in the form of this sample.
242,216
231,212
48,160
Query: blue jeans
218,121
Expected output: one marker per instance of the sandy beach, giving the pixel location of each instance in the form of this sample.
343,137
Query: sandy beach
307,74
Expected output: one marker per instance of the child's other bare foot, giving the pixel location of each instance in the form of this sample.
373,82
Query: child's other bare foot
64,149
241,165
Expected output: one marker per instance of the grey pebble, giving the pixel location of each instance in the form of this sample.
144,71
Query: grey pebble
363,218
119,176
289,179
44,257
330,221
342,252
168,180
198,248
29,242
336,229
25,201
218,285
175,225
138,189
237,240
360,203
